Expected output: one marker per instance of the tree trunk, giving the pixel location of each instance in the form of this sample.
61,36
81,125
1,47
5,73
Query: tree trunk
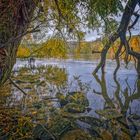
120,33
15,17
138,67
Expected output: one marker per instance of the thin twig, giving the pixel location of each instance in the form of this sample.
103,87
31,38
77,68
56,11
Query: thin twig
12,82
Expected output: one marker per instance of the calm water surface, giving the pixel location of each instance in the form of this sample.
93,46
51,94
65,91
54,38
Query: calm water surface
126,78
104,106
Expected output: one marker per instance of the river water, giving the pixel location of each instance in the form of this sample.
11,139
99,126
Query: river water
126,78
104,97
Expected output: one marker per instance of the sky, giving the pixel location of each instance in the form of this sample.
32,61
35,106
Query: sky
92,35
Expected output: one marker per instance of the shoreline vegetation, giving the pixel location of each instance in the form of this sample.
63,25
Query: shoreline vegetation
57,48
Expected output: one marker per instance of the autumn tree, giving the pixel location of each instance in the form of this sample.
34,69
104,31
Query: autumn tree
52,48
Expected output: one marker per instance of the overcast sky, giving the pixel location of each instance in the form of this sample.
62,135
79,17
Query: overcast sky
90,36
94,35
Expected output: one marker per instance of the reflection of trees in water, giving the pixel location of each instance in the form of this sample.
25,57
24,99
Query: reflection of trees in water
103,92
116,112
38,111
128,93
5,93
56,76
113,121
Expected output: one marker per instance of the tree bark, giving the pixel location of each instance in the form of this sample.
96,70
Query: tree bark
15,17
138,68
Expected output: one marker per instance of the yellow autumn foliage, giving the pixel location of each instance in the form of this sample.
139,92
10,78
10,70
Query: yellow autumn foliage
23,52
53,48
134,44
57,48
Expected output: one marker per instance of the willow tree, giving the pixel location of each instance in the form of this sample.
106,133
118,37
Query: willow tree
68,18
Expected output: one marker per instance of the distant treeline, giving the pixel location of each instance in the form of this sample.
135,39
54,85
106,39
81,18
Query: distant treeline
57,48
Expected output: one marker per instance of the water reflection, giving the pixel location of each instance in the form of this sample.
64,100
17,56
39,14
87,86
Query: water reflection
57,107
122,97
117,113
